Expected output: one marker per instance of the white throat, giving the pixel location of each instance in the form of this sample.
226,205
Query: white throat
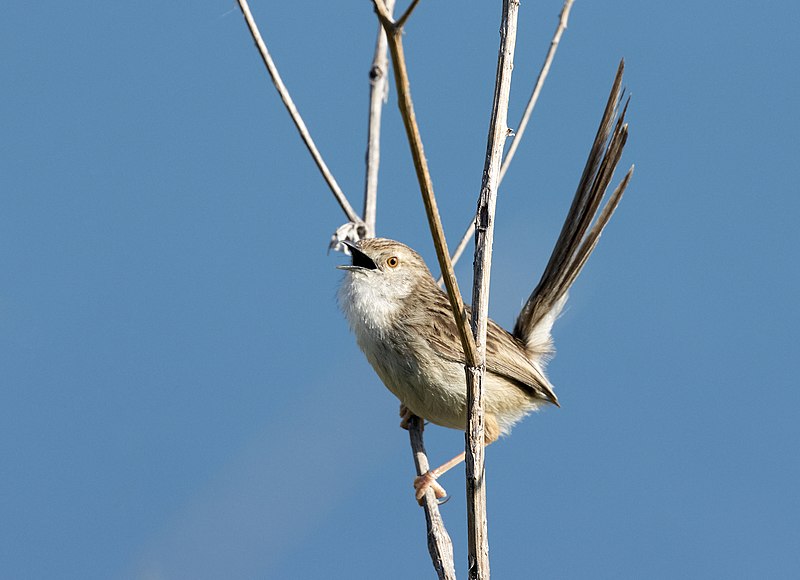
370,302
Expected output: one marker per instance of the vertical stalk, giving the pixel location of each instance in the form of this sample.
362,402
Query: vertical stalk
477,528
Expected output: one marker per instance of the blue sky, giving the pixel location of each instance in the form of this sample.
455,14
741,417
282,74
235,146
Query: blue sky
180,396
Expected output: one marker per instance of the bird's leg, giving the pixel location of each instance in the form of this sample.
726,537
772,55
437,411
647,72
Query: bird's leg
428,479
405,417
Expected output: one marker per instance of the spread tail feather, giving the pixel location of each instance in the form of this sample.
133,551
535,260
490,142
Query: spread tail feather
577,238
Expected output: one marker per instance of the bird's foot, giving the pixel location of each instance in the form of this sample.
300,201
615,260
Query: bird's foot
405,417
424,482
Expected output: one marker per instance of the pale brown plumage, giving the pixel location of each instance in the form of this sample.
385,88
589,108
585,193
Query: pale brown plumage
404,324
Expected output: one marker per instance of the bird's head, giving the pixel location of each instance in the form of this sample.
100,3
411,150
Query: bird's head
390,270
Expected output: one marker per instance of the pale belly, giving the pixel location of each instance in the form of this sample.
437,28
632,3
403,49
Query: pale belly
429,385
435,389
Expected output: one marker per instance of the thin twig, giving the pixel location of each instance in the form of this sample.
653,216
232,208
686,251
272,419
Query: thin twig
298,120
498,132
405,16
439,544
395,38
537,89
545,70
378,91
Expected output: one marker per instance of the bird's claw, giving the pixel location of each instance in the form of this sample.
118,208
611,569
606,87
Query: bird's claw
424,482
405,417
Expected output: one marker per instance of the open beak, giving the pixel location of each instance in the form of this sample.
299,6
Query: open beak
360,260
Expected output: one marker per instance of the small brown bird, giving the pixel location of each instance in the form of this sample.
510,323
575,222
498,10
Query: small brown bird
404,324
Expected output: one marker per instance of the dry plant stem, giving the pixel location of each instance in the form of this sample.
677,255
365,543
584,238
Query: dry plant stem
405,16
378,91
395,39
296,118
439,544
394,35
484,232
537,89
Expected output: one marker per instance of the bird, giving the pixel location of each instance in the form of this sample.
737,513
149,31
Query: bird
403,322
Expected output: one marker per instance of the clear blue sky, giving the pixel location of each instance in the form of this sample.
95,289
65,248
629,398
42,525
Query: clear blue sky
180,396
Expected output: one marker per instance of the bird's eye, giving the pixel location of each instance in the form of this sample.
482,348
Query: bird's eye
393,262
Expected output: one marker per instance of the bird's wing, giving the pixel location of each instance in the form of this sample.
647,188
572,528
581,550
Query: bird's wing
505,355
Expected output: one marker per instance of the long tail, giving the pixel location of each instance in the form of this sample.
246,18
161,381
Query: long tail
577,240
